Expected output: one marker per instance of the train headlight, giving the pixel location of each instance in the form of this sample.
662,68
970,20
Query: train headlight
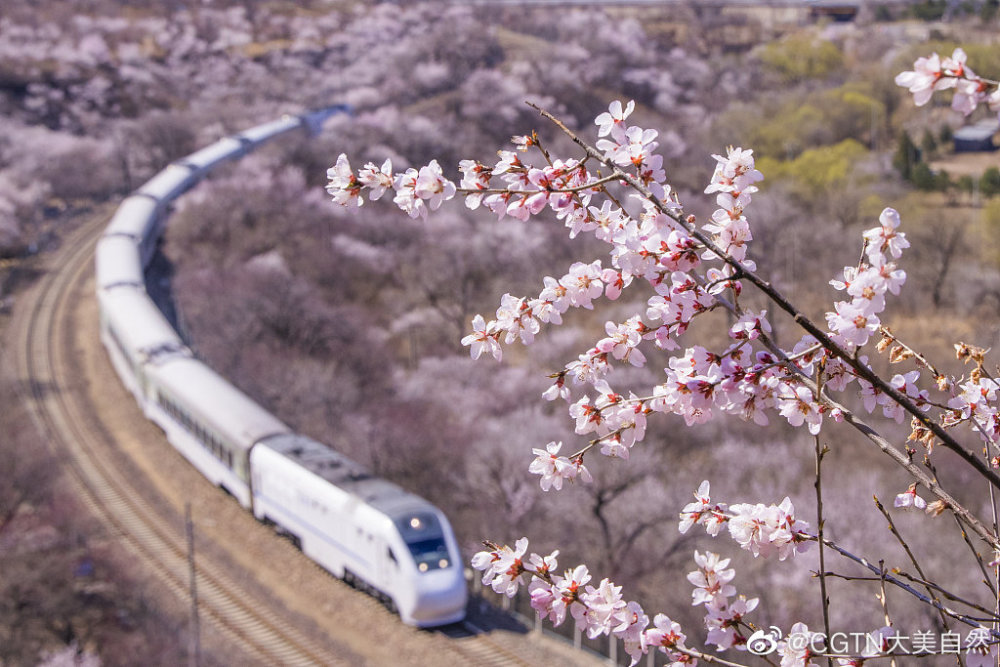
422,567
416,523
443,563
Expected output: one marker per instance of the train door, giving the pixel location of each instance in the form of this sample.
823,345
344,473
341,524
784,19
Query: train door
388,568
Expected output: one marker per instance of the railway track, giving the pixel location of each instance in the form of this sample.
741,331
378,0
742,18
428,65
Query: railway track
41,348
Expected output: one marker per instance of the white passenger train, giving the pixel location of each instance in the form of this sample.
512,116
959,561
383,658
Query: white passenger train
366,530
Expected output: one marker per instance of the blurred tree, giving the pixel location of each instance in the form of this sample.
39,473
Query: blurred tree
928,145
929,10
802,57
906,157
989,184
922,177
817,171
946,136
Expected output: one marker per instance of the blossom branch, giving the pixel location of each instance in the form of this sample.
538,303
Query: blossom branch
774,295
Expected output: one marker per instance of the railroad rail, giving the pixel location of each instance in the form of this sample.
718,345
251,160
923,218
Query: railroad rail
45,340
42,348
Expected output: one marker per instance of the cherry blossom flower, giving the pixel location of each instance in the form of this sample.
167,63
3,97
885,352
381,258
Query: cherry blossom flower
483,338
614,116
982,657
766,530
602,607
376,179
502,567
909,498
632,622
583,283
702,511
885,239
475,177
634,146
926,76
796,649
432,186
800,407
567,590
344,187
750,325
552,468
623,341
406,197
851,325
666,636
723,621
711,579
735,172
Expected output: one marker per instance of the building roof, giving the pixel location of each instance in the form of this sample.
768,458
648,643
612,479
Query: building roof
981,131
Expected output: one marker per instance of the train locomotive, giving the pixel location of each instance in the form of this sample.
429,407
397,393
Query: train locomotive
363,529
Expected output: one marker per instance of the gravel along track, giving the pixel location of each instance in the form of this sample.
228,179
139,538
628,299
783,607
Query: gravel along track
260,600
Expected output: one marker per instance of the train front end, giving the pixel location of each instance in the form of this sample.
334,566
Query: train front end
436,593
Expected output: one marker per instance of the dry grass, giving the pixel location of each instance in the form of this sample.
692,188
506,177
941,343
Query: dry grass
962,164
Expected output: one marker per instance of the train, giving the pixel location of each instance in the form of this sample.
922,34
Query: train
363,529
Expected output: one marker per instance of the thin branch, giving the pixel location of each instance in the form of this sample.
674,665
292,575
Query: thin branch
779,299
990,616
884,600
821,451
577,188
923,361
895,581
979,559
909,553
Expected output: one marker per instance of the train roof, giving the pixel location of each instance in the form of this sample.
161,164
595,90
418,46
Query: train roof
227,148
139,324
207,396
118,262
133,217
334,467
172,181
265,131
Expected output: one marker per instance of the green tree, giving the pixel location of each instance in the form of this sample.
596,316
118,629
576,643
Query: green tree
929,10
817,171
946,135
906,157
989,10
922,177
928,144
989,184
942,181
802,57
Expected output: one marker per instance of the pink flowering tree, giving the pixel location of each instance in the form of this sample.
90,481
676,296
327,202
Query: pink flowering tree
616,189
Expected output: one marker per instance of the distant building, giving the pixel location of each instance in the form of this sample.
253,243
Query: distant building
977,137
837,10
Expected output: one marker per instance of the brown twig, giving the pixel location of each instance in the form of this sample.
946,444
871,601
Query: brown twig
779,299
909,553
821,451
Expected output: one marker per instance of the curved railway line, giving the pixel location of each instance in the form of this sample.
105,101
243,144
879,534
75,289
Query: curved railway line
53,342
42,346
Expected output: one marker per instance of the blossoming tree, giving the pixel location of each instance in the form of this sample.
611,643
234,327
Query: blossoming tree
617,190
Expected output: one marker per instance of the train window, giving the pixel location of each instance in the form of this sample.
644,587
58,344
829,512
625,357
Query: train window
391,555
418,525
430,554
